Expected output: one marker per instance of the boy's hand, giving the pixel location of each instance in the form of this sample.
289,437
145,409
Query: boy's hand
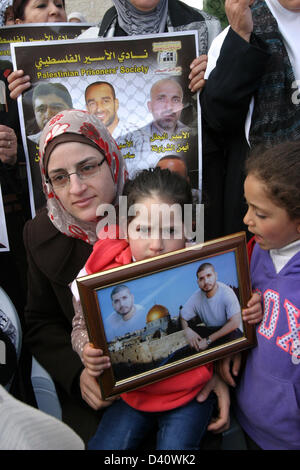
94,361
254,312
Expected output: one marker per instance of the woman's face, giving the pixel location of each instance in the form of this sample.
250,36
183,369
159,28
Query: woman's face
292,5
145,5
43,11
81,197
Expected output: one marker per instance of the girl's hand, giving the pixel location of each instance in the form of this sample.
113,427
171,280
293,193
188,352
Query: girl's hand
196,76
94,361
222,422
18,82
228,368
90,392
254,313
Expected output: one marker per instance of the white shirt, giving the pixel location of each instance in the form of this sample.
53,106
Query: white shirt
282,255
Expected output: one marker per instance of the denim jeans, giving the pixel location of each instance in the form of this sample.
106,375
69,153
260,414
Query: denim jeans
124,428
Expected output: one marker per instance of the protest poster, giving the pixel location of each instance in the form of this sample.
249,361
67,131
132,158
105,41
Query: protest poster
144,101
42,32
28,33
4,244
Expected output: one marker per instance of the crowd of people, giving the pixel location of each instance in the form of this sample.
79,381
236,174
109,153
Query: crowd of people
248,76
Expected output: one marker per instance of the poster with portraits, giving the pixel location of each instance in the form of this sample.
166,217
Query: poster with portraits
137,86
21,33
4,244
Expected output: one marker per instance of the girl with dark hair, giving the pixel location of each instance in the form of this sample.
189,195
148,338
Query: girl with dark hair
127,421
268,389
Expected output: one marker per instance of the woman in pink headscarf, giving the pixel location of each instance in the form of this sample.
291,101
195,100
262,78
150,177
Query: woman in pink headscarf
81,168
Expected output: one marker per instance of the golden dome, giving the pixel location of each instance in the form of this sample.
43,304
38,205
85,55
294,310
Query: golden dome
156,312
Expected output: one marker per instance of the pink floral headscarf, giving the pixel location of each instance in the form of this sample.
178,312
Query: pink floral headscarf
63,127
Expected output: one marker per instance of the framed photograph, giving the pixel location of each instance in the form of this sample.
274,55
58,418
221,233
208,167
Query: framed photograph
163,316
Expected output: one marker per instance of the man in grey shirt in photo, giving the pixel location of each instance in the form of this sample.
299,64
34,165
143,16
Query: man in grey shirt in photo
215,304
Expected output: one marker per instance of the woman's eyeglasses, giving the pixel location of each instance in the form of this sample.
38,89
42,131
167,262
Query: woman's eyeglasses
88,170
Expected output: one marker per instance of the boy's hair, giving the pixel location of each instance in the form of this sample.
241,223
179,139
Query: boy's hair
167,184
279,169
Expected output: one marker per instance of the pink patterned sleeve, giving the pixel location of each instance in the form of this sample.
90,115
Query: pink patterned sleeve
79,335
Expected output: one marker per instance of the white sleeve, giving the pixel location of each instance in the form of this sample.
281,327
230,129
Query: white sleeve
90,33
232,304
73,285
214,52
189,310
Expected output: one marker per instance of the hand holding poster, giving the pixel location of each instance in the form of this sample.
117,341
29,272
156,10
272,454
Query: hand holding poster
137,86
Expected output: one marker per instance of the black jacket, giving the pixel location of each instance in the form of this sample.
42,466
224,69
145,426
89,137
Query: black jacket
54,261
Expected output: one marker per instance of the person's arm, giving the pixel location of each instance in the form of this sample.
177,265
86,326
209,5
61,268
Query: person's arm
92,358
191,336
222,421
236,76
47,330
229,326
229,368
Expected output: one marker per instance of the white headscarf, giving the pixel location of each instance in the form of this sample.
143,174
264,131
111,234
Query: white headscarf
134,21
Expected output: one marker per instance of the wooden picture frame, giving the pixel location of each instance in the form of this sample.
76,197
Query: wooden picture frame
160,349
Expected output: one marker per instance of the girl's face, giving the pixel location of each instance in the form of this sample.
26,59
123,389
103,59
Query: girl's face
271,224
155,229
81,197
43,11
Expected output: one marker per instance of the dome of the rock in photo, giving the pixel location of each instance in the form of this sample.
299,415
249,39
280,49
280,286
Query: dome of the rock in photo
156,312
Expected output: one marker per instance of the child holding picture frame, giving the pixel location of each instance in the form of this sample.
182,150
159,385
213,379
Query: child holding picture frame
170,403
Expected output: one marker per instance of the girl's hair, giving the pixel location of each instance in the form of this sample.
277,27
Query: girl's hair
279,169
170,186
19,7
